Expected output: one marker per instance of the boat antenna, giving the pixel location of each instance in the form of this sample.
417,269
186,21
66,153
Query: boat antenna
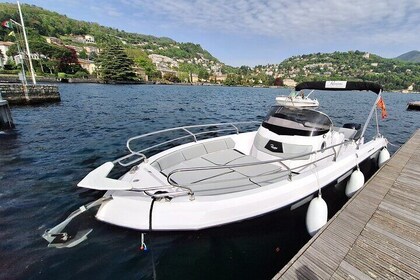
31,68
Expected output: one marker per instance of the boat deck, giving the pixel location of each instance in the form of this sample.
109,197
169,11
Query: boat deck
376,234
212,174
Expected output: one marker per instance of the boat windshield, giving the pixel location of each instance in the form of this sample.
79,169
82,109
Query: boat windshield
296,121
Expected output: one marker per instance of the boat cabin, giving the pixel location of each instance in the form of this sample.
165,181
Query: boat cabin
288,131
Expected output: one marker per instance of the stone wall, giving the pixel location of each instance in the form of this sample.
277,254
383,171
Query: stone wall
36,94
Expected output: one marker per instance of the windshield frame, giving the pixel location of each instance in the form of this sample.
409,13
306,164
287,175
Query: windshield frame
285,120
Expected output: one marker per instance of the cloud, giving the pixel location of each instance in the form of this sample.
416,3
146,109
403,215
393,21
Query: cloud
260,31
107,10
291,20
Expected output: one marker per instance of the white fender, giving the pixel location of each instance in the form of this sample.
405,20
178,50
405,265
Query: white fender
384,156
317,215
356,181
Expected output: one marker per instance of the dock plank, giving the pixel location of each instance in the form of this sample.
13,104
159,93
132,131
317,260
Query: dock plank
376,235
384,264
398,250
406,269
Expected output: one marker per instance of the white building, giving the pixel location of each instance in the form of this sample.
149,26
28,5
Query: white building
4,47
158,59
34,56
89,39
88,65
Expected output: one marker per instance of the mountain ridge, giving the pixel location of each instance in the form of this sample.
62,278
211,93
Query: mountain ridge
411,56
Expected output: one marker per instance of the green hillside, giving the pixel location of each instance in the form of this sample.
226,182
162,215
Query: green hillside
46,23
353,65
413,56
163,59
42,24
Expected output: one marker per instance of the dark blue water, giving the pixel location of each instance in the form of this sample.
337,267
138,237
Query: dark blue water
53,147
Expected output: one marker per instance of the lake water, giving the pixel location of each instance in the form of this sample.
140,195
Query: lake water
54,146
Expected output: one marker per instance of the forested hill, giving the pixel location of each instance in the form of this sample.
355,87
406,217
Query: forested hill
52,24
413,56
393,74
56,40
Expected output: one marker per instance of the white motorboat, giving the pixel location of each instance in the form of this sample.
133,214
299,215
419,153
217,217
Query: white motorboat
285,163
297,99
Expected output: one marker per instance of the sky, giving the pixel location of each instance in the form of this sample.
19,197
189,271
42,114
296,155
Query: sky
260,32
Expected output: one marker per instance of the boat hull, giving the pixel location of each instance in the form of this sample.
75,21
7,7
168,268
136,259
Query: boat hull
133,210
296,101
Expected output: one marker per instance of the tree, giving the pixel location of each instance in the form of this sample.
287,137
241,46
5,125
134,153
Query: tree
114,65
142,60
203,74
68,62
171,78
83,54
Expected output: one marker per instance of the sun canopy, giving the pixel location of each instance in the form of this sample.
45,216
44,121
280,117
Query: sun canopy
340,86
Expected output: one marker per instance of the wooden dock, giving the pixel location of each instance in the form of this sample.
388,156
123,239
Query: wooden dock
17,94
376,235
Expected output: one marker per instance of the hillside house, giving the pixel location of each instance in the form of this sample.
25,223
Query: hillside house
166,70
160,60
90,49
220,78
88,65
34,56
194,78
4,47
84,39
89,39
76,48
289,83
54,41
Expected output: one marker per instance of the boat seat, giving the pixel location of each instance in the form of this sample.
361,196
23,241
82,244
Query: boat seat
355,126
225,180
223,184
194,176
215,181
191,152
223,157
218,158
254,170
351,131
194,151
169,160
217,145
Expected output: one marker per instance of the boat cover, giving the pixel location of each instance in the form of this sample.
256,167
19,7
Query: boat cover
340,86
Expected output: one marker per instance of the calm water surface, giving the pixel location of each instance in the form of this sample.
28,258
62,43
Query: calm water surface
55,146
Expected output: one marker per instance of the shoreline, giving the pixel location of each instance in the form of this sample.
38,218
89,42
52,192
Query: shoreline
5,79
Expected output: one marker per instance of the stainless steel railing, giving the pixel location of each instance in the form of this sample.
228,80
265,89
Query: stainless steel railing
138,155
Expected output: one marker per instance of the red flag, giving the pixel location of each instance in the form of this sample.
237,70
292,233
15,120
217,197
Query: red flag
7,24
381,105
